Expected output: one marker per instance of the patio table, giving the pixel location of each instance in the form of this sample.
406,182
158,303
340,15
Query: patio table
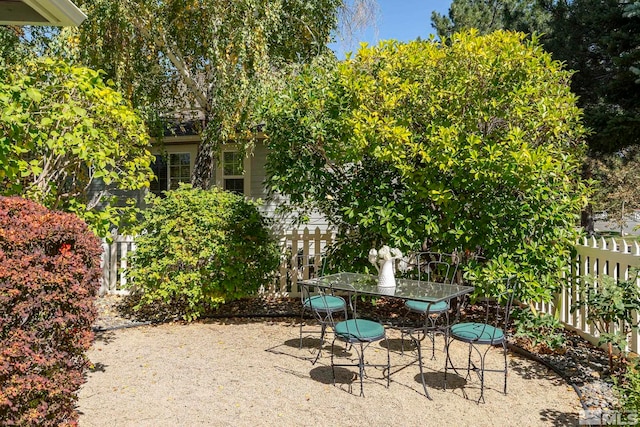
407,289
367,284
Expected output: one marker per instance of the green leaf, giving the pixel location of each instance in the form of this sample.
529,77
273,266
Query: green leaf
34,94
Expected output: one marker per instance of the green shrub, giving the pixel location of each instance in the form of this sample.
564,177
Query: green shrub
49,278
541,329
608,301
197,249
628,387
474,143
63,129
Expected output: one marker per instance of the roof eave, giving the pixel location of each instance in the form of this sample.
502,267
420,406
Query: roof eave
61,13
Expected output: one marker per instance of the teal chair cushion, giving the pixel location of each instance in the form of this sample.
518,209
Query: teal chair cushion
325,303
359,330
477,332
421,306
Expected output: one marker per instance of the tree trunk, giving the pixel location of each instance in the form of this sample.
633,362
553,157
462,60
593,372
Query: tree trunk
587,222
203,169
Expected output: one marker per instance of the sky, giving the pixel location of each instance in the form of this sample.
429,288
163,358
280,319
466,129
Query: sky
403,20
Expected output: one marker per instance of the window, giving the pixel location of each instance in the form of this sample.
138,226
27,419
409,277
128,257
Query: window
179,169
233,171
170,170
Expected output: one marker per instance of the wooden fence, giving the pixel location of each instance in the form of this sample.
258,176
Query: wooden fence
613,257
300,251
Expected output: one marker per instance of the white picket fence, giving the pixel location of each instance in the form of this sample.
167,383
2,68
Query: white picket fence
114,263
296,247
595,257
299,251
613,257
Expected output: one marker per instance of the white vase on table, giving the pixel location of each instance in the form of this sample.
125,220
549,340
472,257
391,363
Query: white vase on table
386,278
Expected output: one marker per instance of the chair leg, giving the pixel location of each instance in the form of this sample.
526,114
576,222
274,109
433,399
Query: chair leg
481,371
482,377
504,350
361,368
402,332
469,363
301,324
447,361
323,331
333,370
431,328
386,341
360,348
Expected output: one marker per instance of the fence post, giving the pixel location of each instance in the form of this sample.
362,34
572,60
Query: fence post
104,264
113,262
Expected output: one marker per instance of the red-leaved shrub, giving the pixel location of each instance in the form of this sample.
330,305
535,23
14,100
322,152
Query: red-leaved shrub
49,279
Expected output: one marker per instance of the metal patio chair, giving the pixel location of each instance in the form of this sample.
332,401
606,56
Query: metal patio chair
430,267
317,302
359,334
488,332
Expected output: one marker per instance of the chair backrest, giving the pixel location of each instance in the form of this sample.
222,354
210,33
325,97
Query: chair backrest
434,266
497,307
309,267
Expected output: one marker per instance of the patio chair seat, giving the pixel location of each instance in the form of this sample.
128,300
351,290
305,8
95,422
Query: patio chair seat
480,333
356,330
325,303
422,307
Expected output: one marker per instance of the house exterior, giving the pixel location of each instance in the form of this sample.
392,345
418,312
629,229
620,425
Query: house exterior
234,171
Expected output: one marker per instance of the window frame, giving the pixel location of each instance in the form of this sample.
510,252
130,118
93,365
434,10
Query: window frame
246,168
167,150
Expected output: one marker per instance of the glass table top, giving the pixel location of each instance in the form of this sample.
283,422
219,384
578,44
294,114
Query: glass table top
405,288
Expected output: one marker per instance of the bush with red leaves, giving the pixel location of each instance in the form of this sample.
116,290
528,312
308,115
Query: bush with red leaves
49,279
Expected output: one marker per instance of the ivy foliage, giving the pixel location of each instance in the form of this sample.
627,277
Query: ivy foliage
199,248
64,133
472,144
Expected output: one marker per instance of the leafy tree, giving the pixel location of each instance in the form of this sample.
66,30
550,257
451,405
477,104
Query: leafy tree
618,189
599,40
487,16
63,131
632,10
596,40
10,47
201,60
474,144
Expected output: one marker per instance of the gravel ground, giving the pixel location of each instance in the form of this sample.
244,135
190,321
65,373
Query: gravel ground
582,366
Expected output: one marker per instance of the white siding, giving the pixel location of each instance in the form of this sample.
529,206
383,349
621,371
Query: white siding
258,176
254,173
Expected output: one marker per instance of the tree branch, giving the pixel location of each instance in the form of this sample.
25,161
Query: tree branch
173,53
